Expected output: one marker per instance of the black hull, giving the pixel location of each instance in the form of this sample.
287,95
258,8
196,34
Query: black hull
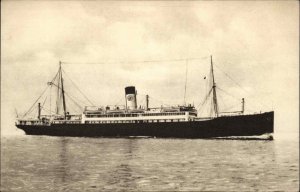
242,125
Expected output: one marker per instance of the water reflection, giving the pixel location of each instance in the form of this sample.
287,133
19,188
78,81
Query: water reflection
121,174
108,163
63,159
99,164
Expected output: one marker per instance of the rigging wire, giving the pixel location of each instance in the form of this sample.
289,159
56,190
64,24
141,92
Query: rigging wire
79,106
205,99
35,102
133,62
67,94
211,107
50,98
72,108
200,110
78,89
47,110
119,101
229,108
231,78
238,99
44,102
144,61
59,95
80,102
220,98
50,92
55,77
227,93
239,85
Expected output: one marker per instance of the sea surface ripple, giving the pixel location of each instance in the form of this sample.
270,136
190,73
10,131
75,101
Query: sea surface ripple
42,163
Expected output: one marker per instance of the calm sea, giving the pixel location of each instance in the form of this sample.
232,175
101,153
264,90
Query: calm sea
42,163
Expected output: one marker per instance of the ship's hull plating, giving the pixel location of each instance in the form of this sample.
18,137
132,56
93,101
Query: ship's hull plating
243,125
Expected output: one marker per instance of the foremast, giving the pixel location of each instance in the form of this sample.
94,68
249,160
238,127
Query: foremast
215,100
63,91
60,99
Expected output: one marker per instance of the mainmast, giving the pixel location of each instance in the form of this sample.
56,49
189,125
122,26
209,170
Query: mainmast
186,71
215,101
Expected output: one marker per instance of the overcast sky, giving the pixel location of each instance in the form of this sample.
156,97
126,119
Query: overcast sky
255,43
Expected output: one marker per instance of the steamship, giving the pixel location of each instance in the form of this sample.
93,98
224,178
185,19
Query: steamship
129,120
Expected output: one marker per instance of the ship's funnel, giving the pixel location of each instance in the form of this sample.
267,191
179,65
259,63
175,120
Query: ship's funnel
130,95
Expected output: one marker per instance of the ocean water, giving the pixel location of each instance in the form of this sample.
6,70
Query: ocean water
42,163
